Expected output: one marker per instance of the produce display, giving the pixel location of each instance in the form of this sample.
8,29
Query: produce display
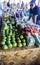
11,37
15,13
17,32
19,38
31,31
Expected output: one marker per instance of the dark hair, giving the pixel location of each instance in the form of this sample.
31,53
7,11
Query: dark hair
33,1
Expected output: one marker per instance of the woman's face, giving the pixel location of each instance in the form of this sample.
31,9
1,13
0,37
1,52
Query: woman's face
32,5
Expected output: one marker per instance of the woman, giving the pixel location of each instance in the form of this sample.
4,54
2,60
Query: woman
33,11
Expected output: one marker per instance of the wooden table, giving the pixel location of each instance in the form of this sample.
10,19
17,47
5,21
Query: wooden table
20,56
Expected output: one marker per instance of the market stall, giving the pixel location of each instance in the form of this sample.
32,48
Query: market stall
19,38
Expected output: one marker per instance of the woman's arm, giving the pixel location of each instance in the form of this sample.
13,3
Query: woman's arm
35,18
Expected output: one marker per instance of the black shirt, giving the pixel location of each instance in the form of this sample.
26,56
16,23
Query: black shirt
39,11
34,11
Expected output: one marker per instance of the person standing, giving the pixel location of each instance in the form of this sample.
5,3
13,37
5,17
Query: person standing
5,5
8,3
18,5
22,5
